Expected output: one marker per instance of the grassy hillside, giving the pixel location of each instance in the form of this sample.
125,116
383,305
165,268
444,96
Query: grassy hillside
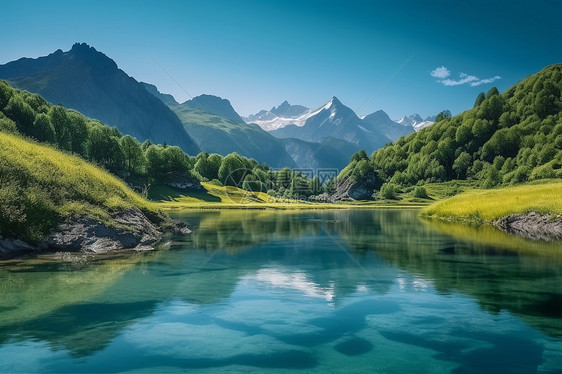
486,205
506,139
39,185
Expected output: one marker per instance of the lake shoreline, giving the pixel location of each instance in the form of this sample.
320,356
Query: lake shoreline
531,226
131,230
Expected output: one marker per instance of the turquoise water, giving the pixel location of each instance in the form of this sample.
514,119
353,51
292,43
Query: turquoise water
328,291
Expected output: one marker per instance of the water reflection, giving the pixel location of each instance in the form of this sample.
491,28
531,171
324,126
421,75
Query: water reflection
273,289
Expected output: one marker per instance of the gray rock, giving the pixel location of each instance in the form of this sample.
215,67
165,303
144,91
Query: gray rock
532,225
132,230
10,247
348,189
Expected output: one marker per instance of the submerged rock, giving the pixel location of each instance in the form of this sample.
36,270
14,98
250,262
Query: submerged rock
532,225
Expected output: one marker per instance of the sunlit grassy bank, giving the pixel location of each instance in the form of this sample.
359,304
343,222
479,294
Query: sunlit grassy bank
39,185
490,236
544,197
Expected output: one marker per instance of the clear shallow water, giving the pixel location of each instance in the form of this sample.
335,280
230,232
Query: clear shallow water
338,291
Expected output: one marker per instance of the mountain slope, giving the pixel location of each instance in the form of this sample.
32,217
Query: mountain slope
329,153
217,134
338,121
380,121
214,105
90,82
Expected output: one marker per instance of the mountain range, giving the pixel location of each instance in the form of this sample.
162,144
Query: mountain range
277,118
287,135
334,120
90,82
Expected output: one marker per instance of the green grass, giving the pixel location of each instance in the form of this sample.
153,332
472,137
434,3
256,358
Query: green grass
40,185
219,197
480,206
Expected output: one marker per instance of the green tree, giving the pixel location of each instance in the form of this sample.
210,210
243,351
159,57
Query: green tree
202,167
6,92
61,124
78,133
147,143
43,130
330,185
154,161
479,99
315,186
361,170
492,92
7,124
284,177
21,113
443,115
420,192
463,135
462,164
232,170
359,155
132,151
251,183
492,177
36,102
104,149
388,191
175,161
215,162
263,178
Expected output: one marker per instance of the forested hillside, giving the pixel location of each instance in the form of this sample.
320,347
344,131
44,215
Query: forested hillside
507,138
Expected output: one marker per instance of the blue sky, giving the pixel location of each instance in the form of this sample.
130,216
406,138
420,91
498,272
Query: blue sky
259,53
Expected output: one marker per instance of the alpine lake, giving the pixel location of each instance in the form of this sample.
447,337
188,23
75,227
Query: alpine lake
326,291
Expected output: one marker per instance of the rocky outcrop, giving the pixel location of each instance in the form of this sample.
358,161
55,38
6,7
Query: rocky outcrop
14,247
130,229
349,189
533,226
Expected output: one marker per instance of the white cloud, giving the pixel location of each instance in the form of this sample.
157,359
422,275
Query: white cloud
464,79
483,81
441,72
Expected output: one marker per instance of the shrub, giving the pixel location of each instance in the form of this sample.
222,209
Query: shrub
420,192
388,191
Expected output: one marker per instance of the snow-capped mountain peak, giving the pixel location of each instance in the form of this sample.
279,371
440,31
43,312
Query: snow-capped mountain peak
287,114
410,120
415,121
